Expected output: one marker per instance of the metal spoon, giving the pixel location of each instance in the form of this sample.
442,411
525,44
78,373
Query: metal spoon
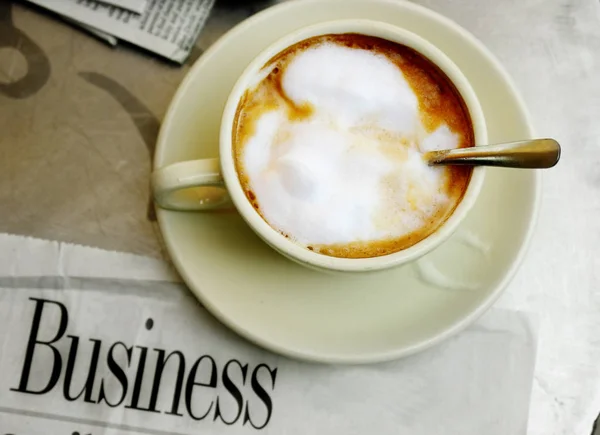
532,154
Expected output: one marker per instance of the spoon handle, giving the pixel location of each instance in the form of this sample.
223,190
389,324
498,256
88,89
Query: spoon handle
533,154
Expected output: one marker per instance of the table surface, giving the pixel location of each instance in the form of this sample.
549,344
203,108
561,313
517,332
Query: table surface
79,121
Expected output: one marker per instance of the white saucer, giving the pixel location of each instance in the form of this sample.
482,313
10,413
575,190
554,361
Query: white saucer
331,318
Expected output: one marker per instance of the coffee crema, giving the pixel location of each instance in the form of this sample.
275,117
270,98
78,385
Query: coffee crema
329,141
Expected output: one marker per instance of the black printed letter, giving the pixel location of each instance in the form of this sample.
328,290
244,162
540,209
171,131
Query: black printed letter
234,390
118,372
262,394
33,341
89,383
191,383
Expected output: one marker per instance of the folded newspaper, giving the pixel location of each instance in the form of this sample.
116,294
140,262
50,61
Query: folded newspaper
168,28
102,343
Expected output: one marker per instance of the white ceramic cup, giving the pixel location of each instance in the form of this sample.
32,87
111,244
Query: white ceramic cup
219,182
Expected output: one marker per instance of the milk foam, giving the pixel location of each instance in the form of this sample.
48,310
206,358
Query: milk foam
353,170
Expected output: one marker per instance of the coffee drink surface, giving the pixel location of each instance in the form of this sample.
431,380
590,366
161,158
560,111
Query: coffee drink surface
329,143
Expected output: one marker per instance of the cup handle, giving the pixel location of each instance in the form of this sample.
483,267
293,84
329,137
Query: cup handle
195,185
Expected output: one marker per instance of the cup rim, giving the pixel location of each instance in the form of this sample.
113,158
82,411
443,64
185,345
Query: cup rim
296,251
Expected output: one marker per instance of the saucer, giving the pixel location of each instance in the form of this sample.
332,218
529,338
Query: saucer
315,316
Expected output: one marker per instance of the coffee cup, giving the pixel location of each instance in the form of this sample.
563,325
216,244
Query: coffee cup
209,184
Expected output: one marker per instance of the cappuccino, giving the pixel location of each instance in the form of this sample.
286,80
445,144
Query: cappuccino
329,140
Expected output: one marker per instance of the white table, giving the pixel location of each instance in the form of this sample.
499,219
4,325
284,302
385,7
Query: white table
550,47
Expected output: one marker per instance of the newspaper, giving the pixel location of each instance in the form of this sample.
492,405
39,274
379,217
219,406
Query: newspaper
101,343
168,28
111,40
137,6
